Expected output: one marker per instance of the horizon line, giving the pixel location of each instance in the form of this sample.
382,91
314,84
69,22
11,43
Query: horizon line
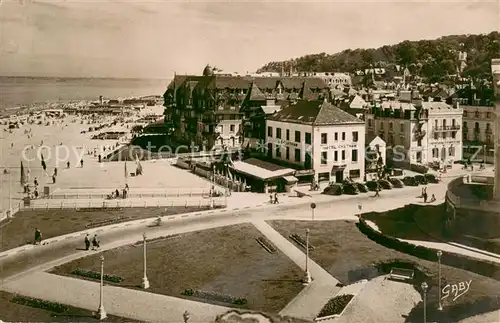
86,77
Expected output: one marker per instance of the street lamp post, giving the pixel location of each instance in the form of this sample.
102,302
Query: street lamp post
145,281
424,288
307,279
485,155
439,254
101,313
313,206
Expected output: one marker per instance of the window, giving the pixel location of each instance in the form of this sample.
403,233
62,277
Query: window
324,138
402,127
343,136
297,155
287,152
343,154
269,131
297,136
370,123
335,155
435,152
324,157
231,128
476,114
278,151
287,135
354,136
308,138
354,155
488,115
390,125
451,151
354,173
465,114
336,136
278,133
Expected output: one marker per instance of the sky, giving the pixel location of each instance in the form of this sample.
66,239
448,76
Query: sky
154,39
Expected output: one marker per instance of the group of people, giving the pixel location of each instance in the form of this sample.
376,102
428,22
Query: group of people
425,196
116,193
95,242
273,198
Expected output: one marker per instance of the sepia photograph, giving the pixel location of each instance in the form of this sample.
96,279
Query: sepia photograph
250,161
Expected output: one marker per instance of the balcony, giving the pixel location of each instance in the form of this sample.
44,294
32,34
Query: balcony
447,128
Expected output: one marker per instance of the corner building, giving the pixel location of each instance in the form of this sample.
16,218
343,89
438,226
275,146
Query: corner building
323,140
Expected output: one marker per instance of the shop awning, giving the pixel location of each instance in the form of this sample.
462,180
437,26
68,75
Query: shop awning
258,172
290,179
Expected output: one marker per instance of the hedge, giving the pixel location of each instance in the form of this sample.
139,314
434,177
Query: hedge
481,267
335,305
40,303
213,296
96,275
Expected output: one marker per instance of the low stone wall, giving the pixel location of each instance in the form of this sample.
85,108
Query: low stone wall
471,216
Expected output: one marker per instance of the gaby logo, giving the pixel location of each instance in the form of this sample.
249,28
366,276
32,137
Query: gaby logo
456,290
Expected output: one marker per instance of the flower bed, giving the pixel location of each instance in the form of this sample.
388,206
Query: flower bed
99,209
300,241
335,306
107,222
217,297
266,245
95,275
40,303
140,242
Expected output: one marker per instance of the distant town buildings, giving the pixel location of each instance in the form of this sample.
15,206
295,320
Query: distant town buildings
218,111
324,141
423,132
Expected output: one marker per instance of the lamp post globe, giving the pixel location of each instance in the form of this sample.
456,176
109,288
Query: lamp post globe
313,206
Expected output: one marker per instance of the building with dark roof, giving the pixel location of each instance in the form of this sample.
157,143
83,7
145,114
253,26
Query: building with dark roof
327,142
217,111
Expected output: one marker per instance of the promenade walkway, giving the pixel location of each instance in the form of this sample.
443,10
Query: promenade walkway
129,303
308,303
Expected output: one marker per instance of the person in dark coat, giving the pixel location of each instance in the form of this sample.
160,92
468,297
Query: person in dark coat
87,242
95,242
81,163
38,236
67,164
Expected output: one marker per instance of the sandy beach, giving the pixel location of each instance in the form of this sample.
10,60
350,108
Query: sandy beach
60,142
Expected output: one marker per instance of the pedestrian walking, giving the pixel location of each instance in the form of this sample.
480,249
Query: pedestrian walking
35,181
38,236
53,179
95,242
67,164
271,199
377,191
425,197
55,171
276,198
81,163
87,242
36,193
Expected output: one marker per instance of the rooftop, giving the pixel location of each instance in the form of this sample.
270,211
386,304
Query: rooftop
314,112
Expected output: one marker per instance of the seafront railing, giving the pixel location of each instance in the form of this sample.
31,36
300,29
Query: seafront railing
103,194
96,204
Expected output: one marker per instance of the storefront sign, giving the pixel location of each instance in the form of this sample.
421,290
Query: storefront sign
456,290
287,143
342,146
304,172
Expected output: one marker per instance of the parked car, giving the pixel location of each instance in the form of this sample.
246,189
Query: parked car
410,181
397,172
350,188
361,187
372,185
396,182
431,178
333,189
385,184
421,179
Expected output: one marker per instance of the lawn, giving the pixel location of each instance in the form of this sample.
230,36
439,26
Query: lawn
349,256
12,312
20,230
228,261
427,223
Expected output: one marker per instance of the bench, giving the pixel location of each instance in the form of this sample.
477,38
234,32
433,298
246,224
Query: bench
401,274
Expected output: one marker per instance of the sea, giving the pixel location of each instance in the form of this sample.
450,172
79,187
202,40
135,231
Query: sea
21,91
